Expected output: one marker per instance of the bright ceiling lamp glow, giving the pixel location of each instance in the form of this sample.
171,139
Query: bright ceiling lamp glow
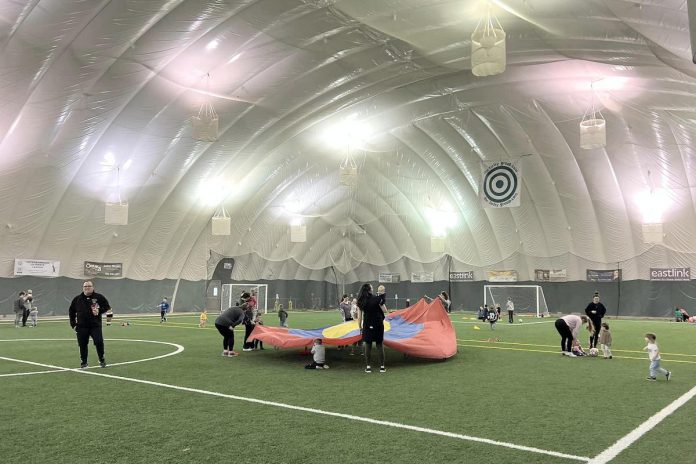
653,204
109,160
212,45
610,83
440,220
348,133
235,57
211,192
296,221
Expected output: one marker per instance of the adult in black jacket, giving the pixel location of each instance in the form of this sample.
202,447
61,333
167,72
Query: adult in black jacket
595,311
85,318
371,321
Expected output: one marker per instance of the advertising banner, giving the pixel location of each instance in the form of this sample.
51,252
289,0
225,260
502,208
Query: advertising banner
388,278
551,275
94,269
461,276
610,275
421,277
36,267
670,274
502,276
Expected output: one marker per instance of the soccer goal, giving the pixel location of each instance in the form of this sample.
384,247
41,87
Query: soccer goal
526,298
232,292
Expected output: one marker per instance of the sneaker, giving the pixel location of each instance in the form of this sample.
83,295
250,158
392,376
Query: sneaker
383,369
668,375
572,355
368,369
232,354
564,353
246,349
83,366
651,379
319,367
102,363
225,353
326,366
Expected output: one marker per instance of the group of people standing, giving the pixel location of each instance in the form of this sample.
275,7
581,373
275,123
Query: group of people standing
24,308
568,328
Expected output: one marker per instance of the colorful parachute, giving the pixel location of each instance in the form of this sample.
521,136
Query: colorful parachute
423,330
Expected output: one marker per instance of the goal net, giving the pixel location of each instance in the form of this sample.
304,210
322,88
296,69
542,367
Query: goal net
528,299
232,292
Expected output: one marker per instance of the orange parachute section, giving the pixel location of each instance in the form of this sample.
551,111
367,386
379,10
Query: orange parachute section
423,330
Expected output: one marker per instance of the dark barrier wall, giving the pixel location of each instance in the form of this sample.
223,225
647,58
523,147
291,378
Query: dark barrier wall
637,297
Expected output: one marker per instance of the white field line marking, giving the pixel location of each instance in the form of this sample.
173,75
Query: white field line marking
516,324
178,350
623,443
316,411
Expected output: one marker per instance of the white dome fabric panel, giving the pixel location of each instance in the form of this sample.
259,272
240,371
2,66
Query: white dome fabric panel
97,100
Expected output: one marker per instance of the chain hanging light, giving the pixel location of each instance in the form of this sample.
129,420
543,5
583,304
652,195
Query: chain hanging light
488,56
593,127
205,124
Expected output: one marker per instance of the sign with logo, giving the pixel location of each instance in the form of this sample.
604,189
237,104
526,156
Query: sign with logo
671,274
462,276
36,267
551,275
610,275
421,277
501,184
389,277
94,269
502,276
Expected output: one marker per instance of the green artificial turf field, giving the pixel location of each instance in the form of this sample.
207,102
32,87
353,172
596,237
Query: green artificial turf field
508,396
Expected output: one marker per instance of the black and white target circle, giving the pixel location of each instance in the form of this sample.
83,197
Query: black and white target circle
500,184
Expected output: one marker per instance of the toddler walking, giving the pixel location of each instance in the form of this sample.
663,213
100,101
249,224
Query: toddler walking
605,340
654,356
203,318
34,315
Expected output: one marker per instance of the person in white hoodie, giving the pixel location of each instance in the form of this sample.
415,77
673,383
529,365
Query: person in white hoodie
655,358
568,328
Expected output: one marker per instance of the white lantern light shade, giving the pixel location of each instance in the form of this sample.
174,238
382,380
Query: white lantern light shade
205,127
488,56
348,175
298,233
593,133
116,214
437,244
221,225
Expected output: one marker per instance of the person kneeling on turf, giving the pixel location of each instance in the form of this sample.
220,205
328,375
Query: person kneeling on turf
318,355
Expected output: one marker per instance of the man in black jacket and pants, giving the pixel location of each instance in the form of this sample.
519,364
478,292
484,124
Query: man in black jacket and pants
595,311
85,318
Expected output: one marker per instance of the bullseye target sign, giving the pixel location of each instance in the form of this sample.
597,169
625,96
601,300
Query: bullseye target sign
501,184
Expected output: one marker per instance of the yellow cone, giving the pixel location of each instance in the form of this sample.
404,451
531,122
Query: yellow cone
477,327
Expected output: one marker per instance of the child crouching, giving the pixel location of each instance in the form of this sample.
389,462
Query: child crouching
319,356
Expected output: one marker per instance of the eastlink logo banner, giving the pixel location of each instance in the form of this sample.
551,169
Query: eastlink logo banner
672,273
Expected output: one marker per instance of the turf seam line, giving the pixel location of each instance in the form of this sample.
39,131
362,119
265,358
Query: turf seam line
633,436
317,411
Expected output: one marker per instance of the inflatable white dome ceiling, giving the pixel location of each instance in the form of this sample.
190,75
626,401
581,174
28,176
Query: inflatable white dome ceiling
98,99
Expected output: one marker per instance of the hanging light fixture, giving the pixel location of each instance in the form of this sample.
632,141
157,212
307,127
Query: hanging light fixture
348,171
221,222
488,56
593,127
205,124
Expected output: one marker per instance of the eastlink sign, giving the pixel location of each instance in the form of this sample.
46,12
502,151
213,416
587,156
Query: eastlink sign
672,273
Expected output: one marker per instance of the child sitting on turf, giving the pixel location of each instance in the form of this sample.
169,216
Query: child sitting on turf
203,318
577,349
319,356
605,340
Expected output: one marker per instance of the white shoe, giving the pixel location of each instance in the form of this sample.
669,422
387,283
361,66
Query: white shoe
572,355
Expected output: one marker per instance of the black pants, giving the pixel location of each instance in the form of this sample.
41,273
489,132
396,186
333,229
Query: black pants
25,315
227,337
83,334
163,316
510,313
594,337
248,328
566,335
